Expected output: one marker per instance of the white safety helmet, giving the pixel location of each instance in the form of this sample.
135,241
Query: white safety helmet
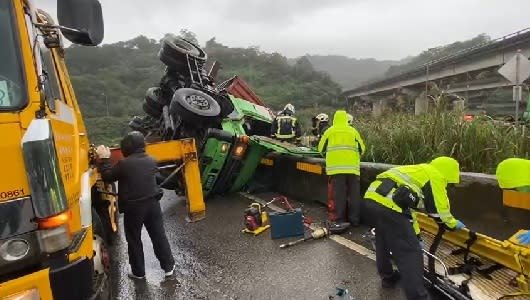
289,108
350,119
322,117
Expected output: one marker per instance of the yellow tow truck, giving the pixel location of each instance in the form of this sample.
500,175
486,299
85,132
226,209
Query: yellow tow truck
55,213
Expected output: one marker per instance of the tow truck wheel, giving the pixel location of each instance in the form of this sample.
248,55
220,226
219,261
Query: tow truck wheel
101,261
194,106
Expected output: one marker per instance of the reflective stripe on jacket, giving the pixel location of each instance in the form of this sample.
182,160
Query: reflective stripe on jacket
426,182
285,127
342,146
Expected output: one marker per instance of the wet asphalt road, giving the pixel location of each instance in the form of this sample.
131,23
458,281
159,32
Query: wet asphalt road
216,261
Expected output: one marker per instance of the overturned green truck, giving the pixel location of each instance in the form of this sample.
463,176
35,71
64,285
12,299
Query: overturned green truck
229,122
230,155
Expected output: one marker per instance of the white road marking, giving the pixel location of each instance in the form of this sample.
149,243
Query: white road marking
353,246
474,290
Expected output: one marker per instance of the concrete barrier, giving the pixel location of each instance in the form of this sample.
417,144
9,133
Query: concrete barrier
477,200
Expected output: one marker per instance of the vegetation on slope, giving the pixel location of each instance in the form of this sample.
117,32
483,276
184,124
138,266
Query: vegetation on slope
120,73
478,145
438,52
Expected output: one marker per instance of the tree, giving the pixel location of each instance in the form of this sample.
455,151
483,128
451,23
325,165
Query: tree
303,66
125,70
140,42
439,52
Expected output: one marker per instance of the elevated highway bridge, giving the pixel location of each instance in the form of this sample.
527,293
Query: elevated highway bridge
468,72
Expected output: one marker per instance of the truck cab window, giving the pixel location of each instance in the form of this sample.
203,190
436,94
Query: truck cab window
12,92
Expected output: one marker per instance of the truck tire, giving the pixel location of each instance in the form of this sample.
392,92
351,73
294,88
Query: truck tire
175,51
101,260
137,124
227,107
152,97
152,111
194,106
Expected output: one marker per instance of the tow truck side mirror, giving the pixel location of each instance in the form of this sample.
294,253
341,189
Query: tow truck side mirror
81,21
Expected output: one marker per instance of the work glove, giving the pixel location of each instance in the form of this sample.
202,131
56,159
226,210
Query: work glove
103,151
524,238
460,225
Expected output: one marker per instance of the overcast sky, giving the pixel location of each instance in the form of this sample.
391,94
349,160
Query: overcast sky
382,29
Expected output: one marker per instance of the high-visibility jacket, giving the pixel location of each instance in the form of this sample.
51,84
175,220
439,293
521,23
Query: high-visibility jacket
426,182
286,127
514,173
343,147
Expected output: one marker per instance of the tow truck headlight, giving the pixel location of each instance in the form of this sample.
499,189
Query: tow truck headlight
55,239
53,233
14,249
32,294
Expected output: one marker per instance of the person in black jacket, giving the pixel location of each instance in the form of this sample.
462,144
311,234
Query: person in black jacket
285,127
138,195
320,123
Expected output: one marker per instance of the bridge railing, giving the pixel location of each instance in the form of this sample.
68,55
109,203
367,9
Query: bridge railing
442,60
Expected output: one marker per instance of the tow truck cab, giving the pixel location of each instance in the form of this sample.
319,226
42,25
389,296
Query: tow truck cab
49,247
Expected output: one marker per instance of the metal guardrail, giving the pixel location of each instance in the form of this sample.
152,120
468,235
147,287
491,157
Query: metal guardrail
442,60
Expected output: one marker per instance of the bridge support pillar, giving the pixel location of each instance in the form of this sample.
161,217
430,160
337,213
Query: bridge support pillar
378,108
421,105
459,106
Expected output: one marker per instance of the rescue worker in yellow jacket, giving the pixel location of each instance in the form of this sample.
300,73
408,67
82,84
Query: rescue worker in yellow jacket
514,173
286,126
390,201
350,119
343,146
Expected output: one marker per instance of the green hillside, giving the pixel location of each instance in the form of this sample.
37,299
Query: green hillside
119,74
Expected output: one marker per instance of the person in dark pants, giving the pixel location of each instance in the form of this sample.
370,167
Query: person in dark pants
390,203
343,146
393,233
346,188
138,201
331,207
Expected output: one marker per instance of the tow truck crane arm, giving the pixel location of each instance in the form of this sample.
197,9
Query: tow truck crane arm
179,155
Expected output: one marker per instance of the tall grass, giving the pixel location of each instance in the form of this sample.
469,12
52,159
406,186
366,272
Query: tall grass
478,145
